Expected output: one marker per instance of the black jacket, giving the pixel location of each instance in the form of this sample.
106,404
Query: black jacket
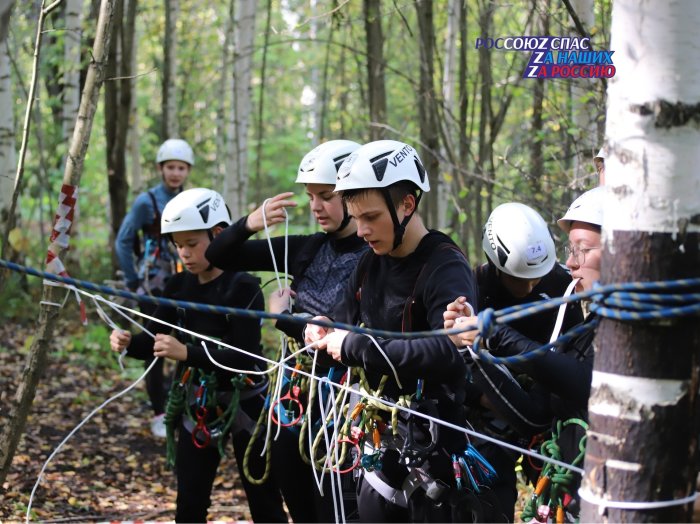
538,327
320,265
239,290
411,294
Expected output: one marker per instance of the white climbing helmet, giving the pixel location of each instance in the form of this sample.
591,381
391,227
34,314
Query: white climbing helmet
601,154
380,164
518,242
321,164
194,209
175,149
586,208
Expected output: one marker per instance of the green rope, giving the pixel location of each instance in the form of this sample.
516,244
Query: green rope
173,411
554,481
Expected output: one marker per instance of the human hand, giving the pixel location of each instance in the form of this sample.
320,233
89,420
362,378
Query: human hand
169,347
281,301
460,314
333,343
314,333
274,212
119,340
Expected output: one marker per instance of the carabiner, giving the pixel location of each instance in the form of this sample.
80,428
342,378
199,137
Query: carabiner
201,427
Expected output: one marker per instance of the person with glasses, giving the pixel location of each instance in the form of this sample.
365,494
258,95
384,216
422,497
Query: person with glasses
562,378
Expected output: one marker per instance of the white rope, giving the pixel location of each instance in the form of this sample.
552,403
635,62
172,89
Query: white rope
391,365
603,503
74,431
382,401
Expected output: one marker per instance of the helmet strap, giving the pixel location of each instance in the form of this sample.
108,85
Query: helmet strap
399,227
346,219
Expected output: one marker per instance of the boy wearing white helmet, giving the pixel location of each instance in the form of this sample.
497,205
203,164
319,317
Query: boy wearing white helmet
521,268
190,221
403,283
320,265
562,377
145,257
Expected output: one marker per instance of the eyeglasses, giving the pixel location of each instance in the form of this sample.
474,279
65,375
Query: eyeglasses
578,253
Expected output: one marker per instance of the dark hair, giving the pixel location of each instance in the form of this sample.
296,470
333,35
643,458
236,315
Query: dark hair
397,191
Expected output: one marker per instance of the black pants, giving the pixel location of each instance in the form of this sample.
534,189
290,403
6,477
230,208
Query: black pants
155,384
293,476
196,470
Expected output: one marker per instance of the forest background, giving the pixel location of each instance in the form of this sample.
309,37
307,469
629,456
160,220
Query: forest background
254,85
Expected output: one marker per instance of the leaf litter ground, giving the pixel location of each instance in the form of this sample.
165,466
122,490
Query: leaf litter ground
113,468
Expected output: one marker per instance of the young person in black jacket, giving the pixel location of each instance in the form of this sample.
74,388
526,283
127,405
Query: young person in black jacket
562,377
320,265
403,284
521,268
208,405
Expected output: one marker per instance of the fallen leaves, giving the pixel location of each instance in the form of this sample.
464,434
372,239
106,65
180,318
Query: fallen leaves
112,468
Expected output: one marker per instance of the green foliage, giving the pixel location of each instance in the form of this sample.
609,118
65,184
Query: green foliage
89,343
307,46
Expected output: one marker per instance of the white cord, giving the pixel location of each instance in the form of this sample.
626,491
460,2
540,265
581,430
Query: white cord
562,311
82,423
393,369
602,503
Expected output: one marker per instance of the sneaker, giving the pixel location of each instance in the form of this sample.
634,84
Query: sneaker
158,426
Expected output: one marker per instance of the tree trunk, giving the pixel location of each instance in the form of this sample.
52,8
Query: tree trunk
117,111
464,138
427,112
643,437
259,177
7,125
71,66
450,73
584,109
73,15
375,69
135,178
236,184
485,142
537,123
170,127
44,336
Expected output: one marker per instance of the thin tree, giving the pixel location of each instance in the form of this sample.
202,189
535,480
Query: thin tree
643,409
117,107
236,182
48,315
375,68
427,114
7,125
170,128
44,11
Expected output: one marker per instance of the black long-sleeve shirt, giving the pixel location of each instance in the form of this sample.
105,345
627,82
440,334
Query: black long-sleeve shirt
239,290
410,294
320,265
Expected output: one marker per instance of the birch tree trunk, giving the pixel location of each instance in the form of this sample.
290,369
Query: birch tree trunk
71,65
170,128
44,335
7,124
236,184
643,439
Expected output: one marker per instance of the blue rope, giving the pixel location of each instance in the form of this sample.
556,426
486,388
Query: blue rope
629,301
